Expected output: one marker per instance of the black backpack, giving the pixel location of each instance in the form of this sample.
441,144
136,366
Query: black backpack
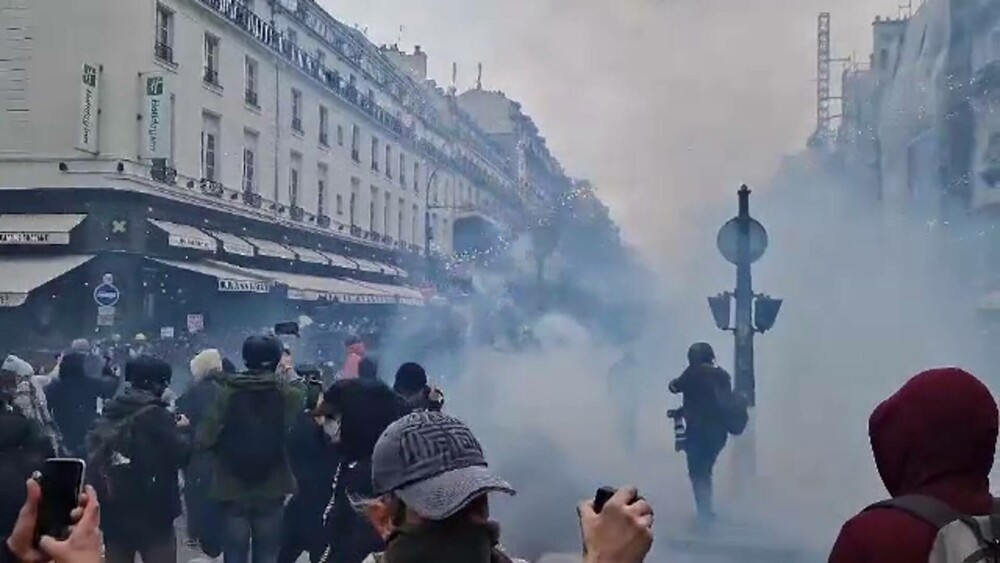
734,409
118,461
252,441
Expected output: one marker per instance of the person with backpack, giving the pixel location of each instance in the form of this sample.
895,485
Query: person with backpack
246,430
134,453
934,442
709,407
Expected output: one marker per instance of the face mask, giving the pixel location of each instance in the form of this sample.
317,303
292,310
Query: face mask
331,427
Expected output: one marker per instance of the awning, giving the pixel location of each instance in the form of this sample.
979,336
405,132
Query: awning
38,229
231,279
373,266
23,274
315,288
339,261
272,249
310,256
401,293
185,236
233,244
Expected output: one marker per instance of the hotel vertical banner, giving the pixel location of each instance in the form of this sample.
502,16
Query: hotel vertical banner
90,95
157,130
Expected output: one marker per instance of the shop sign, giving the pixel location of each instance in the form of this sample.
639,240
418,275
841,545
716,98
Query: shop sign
166,332
181,241
12,299
157,134
33,238
90,88
244,286
195,323
105,320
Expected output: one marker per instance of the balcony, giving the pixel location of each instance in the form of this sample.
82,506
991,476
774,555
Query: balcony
252,199
211,76
296,213
323,221
415,248
250,97
211,187
164,52
356,231
297,124
163,174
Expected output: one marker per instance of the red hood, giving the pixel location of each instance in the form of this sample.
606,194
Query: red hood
937,436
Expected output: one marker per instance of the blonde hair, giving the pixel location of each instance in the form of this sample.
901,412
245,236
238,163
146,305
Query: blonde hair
206,362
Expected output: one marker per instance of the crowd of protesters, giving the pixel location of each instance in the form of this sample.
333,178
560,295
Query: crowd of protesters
269,462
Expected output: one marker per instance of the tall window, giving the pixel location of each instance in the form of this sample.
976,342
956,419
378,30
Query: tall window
355,189
385,214
324,126
356,143
399,219
371,209
250,81
416,176
375,154
164,46
321,191
210,147
415,234
340,204
294,176
388,160
340,135
402,169
320,56
249,162
211,59
296,110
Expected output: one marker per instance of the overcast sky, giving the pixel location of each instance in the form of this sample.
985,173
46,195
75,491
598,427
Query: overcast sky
664,104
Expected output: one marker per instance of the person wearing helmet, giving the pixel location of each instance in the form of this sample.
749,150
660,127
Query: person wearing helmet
701,385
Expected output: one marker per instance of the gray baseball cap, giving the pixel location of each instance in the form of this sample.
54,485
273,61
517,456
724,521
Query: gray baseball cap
434,463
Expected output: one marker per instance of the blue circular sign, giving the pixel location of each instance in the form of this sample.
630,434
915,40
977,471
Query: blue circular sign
106,295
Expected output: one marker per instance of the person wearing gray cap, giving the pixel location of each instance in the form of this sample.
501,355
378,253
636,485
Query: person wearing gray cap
433,480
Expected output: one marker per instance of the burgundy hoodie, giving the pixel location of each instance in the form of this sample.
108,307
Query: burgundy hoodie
936,436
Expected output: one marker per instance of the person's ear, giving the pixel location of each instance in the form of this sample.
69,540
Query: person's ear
379,513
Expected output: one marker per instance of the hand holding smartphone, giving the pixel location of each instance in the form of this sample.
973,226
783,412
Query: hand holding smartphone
61,481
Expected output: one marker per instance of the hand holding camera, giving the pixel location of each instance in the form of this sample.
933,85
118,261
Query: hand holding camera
617,526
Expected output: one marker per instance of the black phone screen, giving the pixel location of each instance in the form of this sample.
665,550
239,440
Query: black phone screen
61,481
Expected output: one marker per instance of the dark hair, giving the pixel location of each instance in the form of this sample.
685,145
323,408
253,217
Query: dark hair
262,352
148,373
352,340
410,377
701,353
228,366
368,368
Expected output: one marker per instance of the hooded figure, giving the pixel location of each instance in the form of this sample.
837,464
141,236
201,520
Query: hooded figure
935,437
73,399
355,353
411,385
203,514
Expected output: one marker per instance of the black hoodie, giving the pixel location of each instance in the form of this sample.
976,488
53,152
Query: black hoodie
72,398
160,449
23,450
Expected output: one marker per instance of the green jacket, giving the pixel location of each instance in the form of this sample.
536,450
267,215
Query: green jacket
225,487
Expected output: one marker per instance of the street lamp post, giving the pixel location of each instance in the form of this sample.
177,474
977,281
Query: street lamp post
742,241
428,231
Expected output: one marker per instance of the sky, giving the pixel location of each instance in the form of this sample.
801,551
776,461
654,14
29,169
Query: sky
665,105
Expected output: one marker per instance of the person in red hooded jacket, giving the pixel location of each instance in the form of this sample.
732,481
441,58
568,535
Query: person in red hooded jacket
935,437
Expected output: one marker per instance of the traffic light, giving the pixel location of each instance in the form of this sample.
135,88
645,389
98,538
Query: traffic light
765,312
720,310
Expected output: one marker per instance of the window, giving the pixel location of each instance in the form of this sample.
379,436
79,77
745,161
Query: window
209,147
324,126
371,209
402,169
399,219
250,82
416,175
356,143
413,218
385,214
296,110
164,46
321,191
340,204
294,175
375,154
249,162
883,59
320,57
340,135
388,160
355,188
211,59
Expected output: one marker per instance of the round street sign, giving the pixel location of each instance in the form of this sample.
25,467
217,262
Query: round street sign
106,295
729,237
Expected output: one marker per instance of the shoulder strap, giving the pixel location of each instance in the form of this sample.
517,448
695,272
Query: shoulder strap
928,509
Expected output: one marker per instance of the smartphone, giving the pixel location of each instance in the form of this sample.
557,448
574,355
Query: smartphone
61,480
290,328
602,496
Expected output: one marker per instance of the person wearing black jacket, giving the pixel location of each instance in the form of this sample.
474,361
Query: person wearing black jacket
411,385
135,451
72,398
702,383
23,449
